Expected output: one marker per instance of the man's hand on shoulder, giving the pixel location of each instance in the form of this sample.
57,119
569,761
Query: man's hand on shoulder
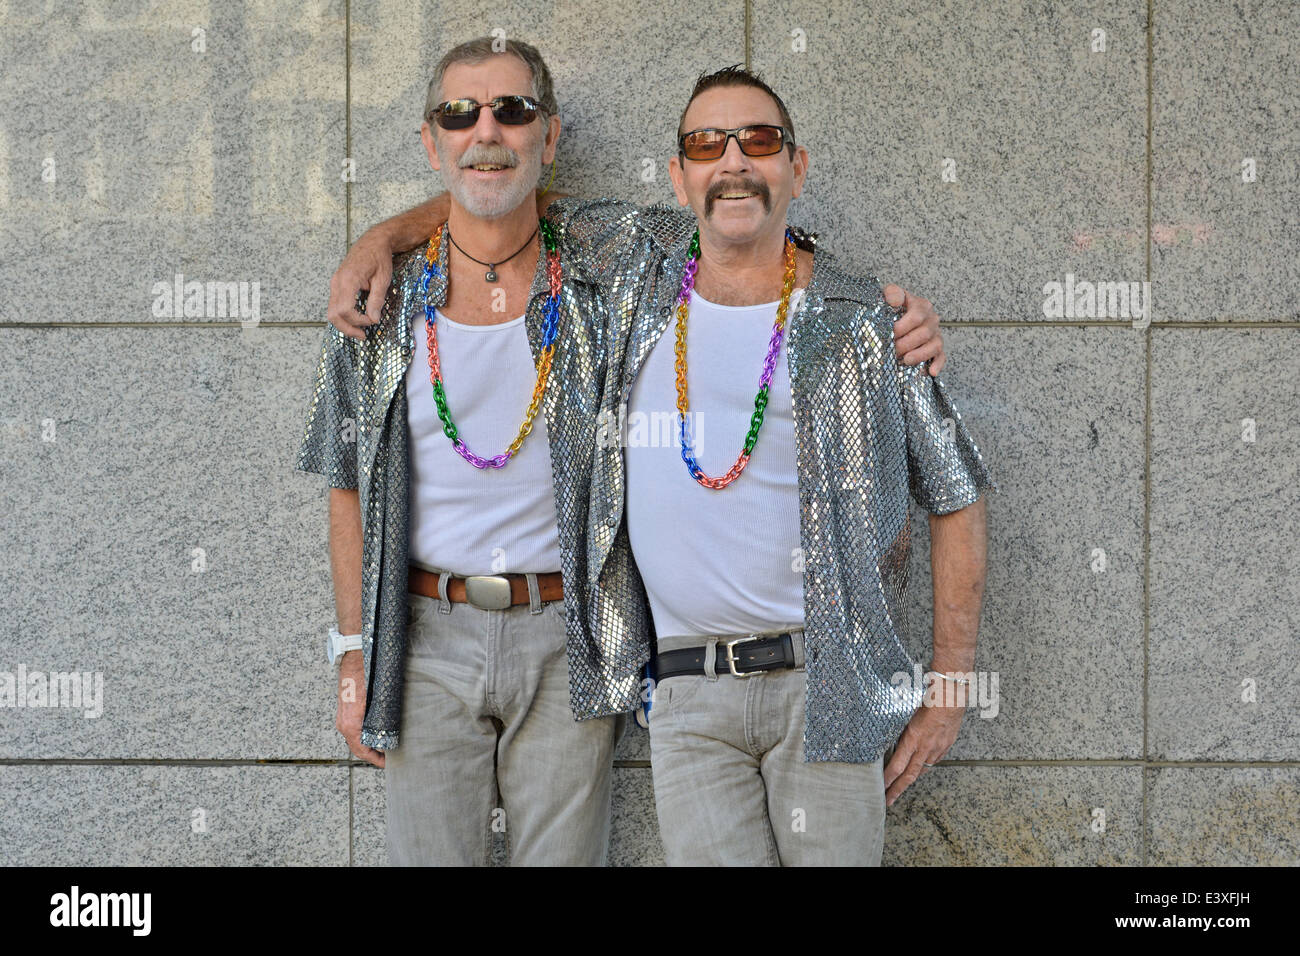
916,334
368,267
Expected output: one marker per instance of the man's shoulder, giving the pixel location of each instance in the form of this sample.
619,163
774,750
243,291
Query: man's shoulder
858,294
409,263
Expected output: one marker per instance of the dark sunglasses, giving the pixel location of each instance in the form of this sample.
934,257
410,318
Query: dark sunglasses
508,111
752,140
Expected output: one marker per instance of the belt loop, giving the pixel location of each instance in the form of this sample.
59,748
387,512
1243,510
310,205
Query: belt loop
534,594
711,659
444,603
796,639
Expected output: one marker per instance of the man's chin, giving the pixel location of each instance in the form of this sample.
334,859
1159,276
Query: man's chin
488,205
734,225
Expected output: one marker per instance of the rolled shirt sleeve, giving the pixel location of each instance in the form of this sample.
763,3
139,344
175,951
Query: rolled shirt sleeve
329,443
945,469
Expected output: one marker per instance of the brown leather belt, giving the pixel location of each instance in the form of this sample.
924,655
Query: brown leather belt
488,592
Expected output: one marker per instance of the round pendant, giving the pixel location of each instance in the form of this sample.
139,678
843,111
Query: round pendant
491,275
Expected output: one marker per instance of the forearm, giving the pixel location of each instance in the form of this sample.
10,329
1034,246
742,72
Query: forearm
408,229
958,561
345,557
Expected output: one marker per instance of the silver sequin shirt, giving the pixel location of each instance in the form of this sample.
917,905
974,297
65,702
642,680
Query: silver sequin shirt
357,436
869,432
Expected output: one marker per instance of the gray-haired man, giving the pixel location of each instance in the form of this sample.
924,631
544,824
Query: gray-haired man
607,618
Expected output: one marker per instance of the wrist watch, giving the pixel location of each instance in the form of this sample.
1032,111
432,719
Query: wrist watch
336,645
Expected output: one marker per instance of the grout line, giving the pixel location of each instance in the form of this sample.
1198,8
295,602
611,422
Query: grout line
1146,456
749,12
347,120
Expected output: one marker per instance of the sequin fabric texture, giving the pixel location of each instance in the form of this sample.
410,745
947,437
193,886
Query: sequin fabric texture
869,432
356,435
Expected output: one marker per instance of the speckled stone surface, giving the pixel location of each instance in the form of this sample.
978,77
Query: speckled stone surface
621,82
1226,96
634,744
1046,140
1018,816
634,836
1225,597
97,815
1223,816
1058,416
163,540
226,166
222,165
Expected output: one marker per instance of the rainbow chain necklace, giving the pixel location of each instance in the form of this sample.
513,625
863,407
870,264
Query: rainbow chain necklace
769,366
550,326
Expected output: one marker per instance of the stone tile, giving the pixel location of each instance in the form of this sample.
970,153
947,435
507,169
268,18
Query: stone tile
163,540
369,848
1224,593
621,81
1057,414
1223,816
152,815
1226,96
1018,816
1046,140
134,156
634,839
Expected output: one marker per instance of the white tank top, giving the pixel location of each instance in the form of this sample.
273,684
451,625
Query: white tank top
464,519
716,562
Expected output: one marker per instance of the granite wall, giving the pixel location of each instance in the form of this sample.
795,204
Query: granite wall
1142,595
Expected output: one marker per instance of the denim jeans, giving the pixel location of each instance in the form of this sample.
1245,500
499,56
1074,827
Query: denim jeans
486,710
732,787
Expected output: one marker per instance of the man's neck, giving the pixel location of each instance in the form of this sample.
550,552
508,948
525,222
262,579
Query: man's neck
472,300
493,240
750,273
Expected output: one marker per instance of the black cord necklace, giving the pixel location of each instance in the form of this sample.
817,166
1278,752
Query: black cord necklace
491,274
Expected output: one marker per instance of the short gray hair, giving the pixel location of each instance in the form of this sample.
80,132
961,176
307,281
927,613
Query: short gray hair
476,51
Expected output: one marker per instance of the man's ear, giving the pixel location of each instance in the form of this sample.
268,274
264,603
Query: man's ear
679,182
552,138
430,145
801,161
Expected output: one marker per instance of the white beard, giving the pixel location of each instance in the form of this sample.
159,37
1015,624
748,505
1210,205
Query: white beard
487,202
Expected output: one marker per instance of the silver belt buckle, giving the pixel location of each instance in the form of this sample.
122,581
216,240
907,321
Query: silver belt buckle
488,592
731,655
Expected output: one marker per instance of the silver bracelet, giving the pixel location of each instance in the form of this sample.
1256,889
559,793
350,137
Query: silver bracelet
955,680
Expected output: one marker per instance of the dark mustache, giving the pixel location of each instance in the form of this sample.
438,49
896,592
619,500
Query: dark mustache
756,186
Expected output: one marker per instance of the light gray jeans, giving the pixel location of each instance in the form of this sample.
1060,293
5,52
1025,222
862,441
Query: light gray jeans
731,785
486,710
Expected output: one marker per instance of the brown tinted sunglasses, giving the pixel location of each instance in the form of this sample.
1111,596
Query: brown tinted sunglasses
762,140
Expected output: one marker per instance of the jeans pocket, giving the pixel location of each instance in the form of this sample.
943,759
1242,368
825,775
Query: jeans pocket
417,606
676,692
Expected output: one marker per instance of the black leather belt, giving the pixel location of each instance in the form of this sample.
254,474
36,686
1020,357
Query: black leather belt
742,657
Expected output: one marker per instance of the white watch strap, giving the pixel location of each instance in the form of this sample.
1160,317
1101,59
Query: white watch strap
340,644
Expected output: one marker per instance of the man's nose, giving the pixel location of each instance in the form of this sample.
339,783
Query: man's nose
487,129
734,159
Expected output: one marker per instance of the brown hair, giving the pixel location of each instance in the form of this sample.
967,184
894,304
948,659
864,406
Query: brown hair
737,75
